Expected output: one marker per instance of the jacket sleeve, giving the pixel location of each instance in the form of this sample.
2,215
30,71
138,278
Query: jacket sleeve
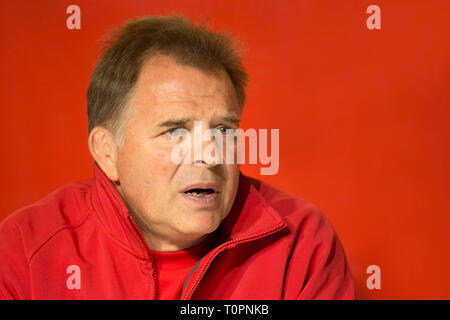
318,268
14,275
330,277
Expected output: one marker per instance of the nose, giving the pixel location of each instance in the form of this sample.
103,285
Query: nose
203,156
206,152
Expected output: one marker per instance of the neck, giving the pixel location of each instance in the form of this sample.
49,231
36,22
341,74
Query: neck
158,244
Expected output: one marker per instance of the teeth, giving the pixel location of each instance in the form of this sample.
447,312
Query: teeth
197,194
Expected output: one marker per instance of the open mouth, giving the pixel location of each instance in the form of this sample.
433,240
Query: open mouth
198,192
204,196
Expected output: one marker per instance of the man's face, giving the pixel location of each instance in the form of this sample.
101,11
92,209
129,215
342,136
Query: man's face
167,98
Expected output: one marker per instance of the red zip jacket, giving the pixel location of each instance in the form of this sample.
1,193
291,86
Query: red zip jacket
271,246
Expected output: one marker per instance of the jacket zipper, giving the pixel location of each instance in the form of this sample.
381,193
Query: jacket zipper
150,255
221,247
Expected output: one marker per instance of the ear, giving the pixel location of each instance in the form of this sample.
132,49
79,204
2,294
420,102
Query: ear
103,148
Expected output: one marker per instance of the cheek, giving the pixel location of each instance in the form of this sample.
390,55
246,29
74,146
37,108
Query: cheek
145,178
160,164
146,165
232,178
156,164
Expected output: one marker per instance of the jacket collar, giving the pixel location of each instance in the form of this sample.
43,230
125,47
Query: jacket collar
250,217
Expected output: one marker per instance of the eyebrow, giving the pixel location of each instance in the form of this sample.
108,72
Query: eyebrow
182,122
232,119
173,123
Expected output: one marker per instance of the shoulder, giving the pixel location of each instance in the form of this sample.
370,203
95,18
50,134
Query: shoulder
35,224
304,219
317,267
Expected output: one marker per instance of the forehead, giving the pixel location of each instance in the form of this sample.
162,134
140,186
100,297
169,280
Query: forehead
166,87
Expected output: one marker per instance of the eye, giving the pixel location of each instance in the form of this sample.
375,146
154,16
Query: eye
176,132
223,130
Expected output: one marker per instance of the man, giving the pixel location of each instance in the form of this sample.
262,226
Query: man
146,227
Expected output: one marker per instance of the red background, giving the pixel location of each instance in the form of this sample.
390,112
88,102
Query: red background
363,115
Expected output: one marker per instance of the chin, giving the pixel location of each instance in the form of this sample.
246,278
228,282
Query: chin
201,225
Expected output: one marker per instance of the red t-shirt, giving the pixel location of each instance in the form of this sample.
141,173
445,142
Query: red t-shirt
173,267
